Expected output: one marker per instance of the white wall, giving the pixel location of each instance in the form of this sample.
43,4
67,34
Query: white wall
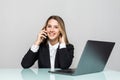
21,20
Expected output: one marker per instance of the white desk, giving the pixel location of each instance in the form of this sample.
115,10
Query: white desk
42,74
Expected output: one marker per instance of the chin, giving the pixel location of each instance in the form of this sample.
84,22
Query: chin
52,38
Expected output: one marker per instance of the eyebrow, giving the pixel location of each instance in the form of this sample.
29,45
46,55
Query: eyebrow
54,25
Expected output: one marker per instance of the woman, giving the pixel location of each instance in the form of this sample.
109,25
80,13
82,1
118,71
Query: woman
51,48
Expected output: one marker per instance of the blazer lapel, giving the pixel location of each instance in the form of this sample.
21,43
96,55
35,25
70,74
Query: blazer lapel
57,58
47,54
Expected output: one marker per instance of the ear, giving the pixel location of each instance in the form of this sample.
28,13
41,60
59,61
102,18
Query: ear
60,34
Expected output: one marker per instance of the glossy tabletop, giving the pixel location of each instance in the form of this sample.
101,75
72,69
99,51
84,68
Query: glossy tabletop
42,74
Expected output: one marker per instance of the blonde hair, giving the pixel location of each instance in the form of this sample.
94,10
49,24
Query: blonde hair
61,23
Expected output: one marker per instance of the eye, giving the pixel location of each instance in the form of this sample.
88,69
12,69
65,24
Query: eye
49,26
56,27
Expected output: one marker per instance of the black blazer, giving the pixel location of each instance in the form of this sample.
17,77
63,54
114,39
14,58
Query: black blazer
63,57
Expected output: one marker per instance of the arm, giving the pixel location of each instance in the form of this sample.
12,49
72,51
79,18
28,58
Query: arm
32,54
29,59
66,56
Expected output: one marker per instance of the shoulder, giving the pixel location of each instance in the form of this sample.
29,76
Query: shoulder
43,45
69,45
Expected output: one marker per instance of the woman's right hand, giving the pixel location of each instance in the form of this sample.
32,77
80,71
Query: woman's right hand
41,36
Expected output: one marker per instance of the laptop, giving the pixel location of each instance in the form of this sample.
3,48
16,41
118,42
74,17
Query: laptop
93,59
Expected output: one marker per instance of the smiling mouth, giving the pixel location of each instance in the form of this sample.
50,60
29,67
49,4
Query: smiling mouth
51,34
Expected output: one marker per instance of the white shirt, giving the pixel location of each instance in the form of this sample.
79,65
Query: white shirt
52,49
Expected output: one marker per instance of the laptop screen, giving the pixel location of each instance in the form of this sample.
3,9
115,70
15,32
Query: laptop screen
94,56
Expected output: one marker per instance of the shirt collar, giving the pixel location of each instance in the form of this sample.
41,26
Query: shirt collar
53,46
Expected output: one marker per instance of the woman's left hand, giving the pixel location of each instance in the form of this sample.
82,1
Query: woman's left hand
62,39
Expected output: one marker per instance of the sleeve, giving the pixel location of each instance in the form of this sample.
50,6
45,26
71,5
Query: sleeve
62,45
66,56
34,48
29,59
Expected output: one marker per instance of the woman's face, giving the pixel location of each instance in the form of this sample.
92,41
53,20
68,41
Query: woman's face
53,30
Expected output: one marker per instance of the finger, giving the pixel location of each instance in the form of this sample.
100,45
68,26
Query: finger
44,33
43,36
43,28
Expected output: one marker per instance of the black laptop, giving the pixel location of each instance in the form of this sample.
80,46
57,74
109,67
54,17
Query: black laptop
93,59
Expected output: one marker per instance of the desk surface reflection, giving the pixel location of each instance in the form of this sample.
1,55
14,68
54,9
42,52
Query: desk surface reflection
42,74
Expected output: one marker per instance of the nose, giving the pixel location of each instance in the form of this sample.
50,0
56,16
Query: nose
51,29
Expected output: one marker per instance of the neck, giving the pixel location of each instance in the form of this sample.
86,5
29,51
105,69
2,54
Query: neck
53,42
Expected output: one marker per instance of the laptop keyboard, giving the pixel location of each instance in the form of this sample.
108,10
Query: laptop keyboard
66,71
